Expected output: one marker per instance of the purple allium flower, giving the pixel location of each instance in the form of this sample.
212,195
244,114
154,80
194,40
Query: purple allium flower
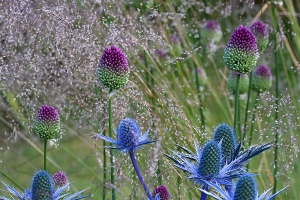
162,191
212,31
113,70
261,79
243,84
60,179
241,52
174,39
47,123
260,31
129,136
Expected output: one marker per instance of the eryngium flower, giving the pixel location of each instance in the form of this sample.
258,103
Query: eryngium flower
261,79
212,31
129,136
241,52
42,189
60,179
243,84
162,191
225,133
47,123
113,71
260,31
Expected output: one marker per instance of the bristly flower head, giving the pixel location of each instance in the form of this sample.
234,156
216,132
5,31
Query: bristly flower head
241,52
212,31
260,31
261,79
47,123
245,188
163,193
129,137
60,179
113,70
225,133
243,84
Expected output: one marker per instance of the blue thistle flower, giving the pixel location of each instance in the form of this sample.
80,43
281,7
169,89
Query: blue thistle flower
128,135
42,189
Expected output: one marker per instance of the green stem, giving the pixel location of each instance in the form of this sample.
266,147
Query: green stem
247,108
112,167
45,155
200,100
236,102
104,169
11,180
158,173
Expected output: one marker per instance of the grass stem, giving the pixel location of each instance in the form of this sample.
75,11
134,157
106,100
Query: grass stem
104,169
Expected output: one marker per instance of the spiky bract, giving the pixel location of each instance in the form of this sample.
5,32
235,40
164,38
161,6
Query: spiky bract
260,31
245,188
41,186
47,123
210,162
261,79
243,84
162,191
225,133
113,70
241,52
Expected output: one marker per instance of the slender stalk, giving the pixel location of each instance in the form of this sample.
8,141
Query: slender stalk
236,102
104,170
112,167
45,155
158,173
131,153
11,180
203,195
200,100
247,108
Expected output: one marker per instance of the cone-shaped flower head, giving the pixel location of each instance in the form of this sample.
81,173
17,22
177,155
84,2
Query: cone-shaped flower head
113,71
128,135
243,84
261,79
163,193
245,188
241,52
47,123
210,161
260,31
225,133
41,186
212,31
60,179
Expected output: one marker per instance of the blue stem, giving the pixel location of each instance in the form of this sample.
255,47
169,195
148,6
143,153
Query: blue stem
131,153
203,195
228,188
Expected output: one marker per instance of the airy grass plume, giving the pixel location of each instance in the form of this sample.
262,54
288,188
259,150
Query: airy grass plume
113,70
243,82
241,52
162,192
225,133
47,123
261,33
261,79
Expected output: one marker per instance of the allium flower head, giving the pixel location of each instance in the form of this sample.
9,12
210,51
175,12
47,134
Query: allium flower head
260,31
261,79
241,52
225,133
245,188
243,84
128,136
113,70
60,179
47,123
212,31
163,193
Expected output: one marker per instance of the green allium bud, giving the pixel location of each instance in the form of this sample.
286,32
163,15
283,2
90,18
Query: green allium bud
243,83
261,79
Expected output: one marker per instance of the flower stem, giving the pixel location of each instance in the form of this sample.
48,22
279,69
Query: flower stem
236,102
112,167
203,195
199,97
104,169
11,180
45,155
247,108
131,153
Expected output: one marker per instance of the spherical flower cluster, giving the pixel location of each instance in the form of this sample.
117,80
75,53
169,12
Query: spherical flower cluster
260,31
162,191
241,52
60,179
47,123
113,70
41,186
261,79
225,133
212,31
243,83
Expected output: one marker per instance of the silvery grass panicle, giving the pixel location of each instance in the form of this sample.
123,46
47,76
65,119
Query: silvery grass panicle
245,189
241,52
261,33
161,193
42,189
243,84
261,79
113,70
129,139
